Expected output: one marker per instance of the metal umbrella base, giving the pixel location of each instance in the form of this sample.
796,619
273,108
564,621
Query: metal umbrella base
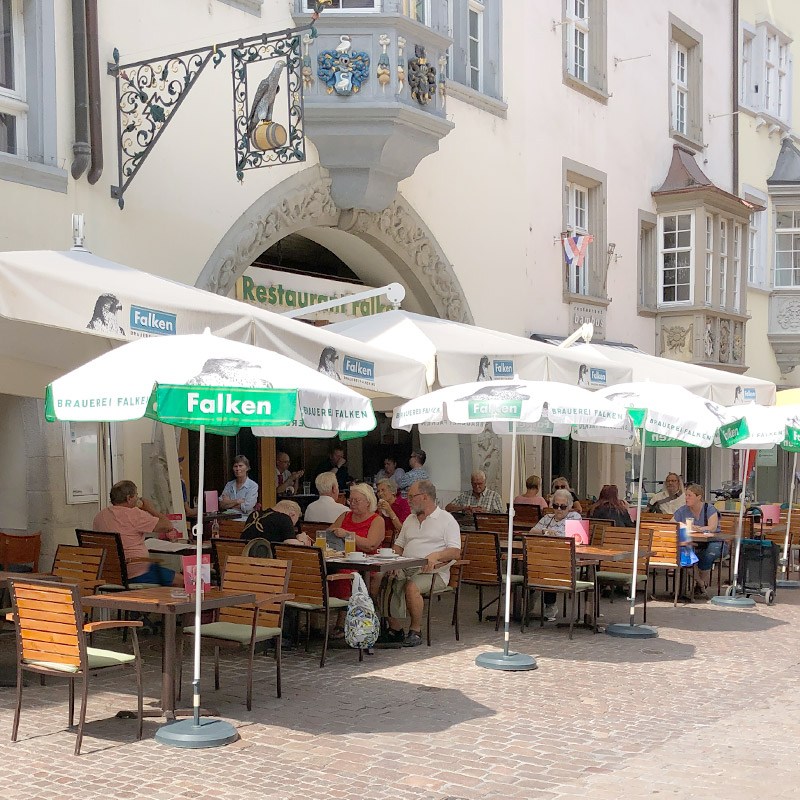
787,584
624,630
511,662
208,733
733,602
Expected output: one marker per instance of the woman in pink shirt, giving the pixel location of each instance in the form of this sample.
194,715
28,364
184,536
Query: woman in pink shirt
532,497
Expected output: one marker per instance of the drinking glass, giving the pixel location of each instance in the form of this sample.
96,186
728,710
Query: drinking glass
350,543
306,487
320,540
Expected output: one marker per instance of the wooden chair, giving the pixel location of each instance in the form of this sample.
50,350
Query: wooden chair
308,582
619,572
549,566
115,567
525,514
221,549
231,528
51,640
666,556
649,516
596,529
20,553
311,528
453,587
491,522
248,625
80,565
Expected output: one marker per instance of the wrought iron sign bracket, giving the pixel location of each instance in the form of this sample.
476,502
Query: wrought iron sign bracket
150,92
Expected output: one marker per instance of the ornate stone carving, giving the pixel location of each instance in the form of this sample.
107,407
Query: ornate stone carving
421,76
676,339
789,316
724,341
708,341
487,455
343,70
737,350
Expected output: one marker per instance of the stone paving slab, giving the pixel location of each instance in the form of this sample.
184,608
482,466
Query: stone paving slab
710,707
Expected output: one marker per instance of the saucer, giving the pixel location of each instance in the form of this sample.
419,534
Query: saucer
355,557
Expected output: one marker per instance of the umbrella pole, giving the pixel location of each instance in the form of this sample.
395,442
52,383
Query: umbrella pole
785,583
631,629
195,733
732,599
513,662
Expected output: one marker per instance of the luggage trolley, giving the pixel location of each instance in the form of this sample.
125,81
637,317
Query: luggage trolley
758,569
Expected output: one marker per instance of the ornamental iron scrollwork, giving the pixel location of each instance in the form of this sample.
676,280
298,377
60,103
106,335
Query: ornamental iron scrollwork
149,92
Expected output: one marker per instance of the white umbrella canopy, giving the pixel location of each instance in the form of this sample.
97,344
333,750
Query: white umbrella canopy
455,353
59,310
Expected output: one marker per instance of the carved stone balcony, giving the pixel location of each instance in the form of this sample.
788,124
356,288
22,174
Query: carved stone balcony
374,102
784,328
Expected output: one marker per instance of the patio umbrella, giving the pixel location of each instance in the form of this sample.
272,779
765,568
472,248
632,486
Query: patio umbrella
202,382
668,416
469,407
790,398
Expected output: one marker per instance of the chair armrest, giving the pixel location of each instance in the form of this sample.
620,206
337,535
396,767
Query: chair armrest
273,598
104,625
340,576
141,560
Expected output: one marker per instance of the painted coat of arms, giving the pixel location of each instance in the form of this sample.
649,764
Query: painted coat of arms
343,70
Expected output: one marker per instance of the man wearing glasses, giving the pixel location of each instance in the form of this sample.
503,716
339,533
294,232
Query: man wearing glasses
479,499
428,532
671,498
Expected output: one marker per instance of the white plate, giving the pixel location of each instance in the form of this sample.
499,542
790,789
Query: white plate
387,558
356,558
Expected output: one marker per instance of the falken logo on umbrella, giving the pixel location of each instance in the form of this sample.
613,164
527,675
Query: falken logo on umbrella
358,369
223,406
153,322
486,409
503,368
792,440
734,432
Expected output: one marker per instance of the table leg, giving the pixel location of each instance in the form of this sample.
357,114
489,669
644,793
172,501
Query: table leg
168,666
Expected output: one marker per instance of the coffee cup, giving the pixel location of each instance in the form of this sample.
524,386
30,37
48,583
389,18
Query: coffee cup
385,552
357,555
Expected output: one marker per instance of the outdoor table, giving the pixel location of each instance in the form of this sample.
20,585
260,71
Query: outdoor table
160,600
375,564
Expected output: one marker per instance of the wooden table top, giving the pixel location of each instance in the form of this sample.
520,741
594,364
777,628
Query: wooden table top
712,537
587,552
160,600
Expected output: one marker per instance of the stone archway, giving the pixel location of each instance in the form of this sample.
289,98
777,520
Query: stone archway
304,201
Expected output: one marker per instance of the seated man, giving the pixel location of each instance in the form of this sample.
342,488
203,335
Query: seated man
277,525
479,499
133,518
416,461
430,533
337,464
327,508
671,498
286,482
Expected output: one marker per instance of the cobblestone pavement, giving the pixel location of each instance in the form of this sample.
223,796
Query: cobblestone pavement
709,708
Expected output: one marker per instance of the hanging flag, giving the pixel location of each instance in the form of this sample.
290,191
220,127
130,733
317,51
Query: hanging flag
575,248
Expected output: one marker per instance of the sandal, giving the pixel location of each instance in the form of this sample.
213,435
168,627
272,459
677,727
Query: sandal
337,633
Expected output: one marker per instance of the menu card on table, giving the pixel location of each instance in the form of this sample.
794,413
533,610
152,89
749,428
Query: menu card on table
190,573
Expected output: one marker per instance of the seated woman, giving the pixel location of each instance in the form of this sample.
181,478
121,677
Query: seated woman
241,493
393,508
610,507
532,495
563,483
554,525
369,530
705,520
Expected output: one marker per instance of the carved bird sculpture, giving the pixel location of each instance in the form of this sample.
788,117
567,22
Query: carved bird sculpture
264,100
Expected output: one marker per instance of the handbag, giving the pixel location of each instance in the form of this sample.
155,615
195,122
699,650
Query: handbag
361,623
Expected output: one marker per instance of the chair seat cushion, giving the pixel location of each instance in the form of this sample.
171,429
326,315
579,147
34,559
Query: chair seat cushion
333,602
624,577
662,565
97,658
234,632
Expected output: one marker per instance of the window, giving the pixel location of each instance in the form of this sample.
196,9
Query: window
420,10
475,51
737,267
347,5
686,83
675,254
13,108
787,248
709,274
584,26
766,71
756,241
783,96
648,253
723,262
746,67
577,279
769,74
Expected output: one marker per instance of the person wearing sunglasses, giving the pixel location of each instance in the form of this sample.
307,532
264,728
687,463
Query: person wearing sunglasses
555,525
563,483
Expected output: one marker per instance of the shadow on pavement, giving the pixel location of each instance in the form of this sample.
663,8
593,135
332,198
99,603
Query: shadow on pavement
713,619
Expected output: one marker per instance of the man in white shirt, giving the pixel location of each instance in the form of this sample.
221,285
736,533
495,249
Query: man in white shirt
671,498
429,532
326,509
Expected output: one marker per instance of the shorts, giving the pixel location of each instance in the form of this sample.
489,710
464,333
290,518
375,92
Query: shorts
397,591
155,574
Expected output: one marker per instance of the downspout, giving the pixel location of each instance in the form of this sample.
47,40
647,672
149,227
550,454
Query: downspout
95,121
81,149
735,91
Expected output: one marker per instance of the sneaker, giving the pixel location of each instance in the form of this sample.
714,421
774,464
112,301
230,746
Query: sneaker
413,639
392,637
550,613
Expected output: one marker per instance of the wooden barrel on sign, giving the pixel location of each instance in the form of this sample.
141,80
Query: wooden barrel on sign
269,135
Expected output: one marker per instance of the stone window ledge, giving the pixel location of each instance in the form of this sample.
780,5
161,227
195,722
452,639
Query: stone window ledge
30,173
482,101
686,141
250,6
594,92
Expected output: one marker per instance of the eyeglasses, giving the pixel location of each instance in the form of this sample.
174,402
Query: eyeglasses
562,486
418,494
559,507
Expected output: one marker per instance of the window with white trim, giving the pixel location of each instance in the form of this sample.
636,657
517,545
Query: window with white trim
737,267
675,257
419,10
756,247
746,67
781,110
347,5
766,69
578,197
787,248
723,262
475,49
13,108
685,83
680,87
709,274
578,39
770,72
585,43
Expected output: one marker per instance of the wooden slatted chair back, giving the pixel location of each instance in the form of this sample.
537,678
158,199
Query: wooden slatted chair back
114,568
596,528
729,524
525,514
307,579
491,522
231,528
665,546
482,550
649,516
623,539
311,528
22,549
550,561
49,622
261,577
80,565
221,549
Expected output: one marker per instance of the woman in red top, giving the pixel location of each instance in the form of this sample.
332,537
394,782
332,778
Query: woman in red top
368,527
393,508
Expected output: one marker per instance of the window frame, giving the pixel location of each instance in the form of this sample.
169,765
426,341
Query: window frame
737,266
792,232
13,102
593,27
680,89
746,66
377,8
709,263
724,239
577,25
689,86
478,9
578,277
662,250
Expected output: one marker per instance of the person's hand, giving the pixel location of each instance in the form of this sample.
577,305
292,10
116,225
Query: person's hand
340,532
299,473
304,538
340,462
384,508
431,564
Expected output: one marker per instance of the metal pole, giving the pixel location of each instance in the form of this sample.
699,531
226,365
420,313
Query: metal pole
743,480
636,537
789,519
198,586
510,551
